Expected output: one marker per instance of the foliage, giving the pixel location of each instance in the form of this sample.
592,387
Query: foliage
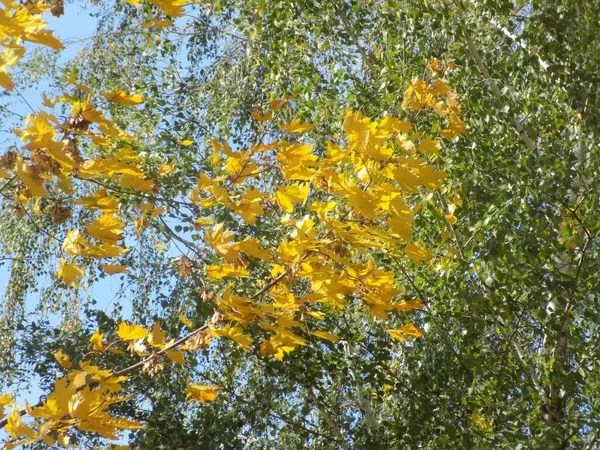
179,155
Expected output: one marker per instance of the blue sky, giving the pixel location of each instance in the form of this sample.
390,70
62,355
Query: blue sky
73,29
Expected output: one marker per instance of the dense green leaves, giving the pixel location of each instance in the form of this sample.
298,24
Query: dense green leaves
510,300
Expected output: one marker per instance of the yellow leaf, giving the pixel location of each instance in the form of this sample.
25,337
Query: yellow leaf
286,196
220,240
135,182
63,359
119,96
297,126
430,146
74,244
185,142
481,423
157,337
417,253
69,273
184,320
257,115
44,37
157,23
72,81
34,183
401,334
276,105
233,333
176,357
166,169
276,348
5,80
131,332
390,124
96,341
325,335
17,427
106,228
226,270
451,218
407,305
113,269
203,394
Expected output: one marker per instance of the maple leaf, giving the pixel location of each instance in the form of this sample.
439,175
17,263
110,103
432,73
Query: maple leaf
176,357
34,183
113,269
131,332
184,320
137,182
429,145
390,124
74,243
416,252
96,341
119,96
44,37
326,335
401,334
220,240
407,305
100,201
297,126
257,115
5,80
156,338
276,348
69,273
63,359
286,196
202,394
233,333
106,228
249,207
16,427
226,270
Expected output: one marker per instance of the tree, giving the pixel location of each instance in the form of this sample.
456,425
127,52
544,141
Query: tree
508,300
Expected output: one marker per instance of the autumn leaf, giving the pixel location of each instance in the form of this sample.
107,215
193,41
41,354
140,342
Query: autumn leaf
286,196
417,253
96,341
63,359
157,23
113,269
203,394
73,244
184,320
34,183
257,115
119,96
234,333
296,126
69,273
131,332
401,334
326,335
429,145
106,228
137,182
177,357
157,337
